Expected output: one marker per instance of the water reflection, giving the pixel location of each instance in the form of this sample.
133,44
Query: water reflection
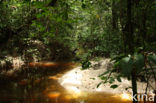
43,87
125,96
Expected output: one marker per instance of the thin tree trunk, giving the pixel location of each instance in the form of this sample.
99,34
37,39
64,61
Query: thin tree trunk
144,29
134,85
114,16
129,27
130,41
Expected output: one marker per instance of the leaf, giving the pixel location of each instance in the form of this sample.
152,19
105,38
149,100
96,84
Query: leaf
118,57
39,15
152,58
92,78
103,78
126,65
111,80
104,73
119,79
99,84
114,86
139,62
86,64
116,64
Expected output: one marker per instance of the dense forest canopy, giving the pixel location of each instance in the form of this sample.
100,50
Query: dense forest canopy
80,30
100,26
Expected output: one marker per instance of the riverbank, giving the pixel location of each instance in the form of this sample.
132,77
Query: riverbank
77,80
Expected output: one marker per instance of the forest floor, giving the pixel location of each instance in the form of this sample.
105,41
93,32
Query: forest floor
87,80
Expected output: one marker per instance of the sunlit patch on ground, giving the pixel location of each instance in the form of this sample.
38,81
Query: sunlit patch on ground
72,79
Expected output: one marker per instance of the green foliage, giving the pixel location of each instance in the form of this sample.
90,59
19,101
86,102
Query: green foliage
83,29
111,80
119,79
85,64
99,84
85,61
126,65
114,86
106,77
152,58
104,73
139,62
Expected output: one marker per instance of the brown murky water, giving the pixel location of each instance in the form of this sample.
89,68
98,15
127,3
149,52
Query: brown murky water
43,87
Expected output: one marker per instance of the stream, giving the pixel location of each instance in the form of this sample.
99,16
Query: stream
39,84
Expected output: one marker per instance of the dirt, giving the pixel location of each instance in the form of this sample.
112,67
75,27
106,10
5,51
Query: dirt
87,80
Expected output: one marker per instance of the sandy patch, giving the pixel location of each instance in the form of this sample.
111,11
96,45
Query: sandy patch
77,80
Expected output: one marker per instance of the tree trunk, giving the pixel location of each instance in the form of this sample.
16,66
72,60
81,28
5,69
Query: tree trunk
144,28
130,42
155,96
114,16
129,27
134,85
